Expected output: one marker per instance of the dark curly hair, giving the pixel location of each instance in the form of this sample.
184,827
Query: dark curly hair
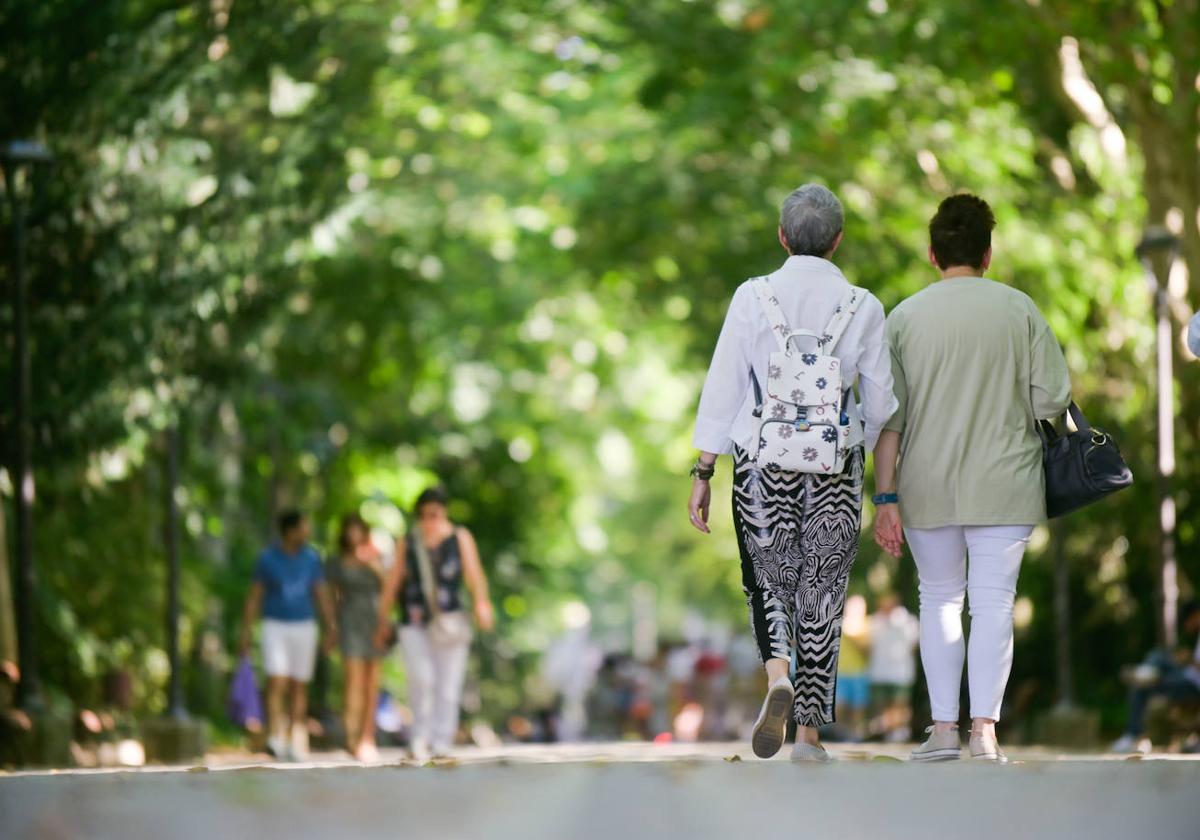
348,522
961,231
432,496
288,521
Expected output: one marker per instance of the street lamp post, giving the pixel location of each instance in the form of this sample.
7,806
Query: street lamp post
174,737
175,705
1062,618
1160,244
18,160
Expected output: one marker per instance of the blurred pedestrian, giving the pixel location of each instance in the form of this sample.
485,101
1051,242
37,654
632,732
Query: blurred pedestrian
1174,676
357,575
893,668
606,702
289,584
976,366
853,684
568,669
432,563
1193,335
797,527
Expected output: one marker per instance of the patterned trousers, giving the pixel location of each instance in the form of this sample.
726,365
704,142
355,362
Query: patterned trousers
798,535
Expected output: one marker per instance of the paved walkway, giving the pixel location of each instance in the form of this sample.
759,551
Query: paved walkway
614,792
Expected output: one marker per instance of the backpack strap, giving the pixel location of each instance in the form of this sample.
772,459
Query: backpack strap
841,318
770,306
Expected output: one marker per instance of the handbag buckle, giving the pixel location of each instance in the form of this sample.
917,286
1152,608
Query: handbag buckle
1099,438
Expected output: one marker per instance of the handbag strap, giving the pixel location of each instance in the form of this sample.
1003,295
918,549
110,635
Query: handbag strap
425,567
1049,434
1076,415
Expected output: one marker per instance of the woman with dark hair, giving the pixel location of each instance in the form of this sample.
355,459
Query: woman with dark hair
976,366
357,574
432,563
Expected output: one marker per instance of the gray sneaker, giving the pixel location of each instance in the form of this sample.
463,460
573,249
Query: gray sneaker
771,727
985,748
943,746
805,752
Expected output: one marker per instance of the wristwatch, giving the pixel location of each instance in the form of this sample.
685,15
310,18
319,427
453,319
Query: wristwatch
885,499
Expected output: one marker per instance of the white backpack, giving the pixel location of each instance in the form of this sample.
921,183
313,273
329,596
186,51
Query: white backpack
804,426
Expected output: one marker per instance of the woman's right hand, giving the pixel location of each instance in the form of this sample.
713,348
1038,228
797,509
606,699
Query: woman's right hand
698,505
383,632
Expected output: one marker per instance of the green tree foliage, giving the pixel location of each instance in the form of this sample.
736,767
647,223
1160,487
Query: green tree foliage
353,247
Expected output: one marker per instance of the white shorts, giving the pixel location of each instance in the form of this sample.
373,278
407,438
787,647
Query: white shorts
289,648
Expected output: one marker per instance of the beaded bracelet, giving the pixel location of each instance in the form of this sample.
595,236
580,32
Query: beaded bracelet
703,471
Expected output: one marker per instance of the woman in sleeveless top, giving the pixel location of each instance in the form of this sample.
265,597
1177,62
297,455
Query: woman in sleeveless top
432,564
357,574
797,532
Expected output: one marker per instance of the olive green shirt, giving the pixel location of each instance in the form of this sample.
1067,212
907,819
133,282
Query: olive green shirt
975,365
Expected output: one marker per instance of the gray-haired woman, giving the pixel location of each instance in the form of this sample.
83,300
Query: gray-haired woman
797,522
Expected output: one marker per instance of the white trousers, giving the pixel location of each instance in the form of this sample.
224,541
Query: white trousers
435,683
990,584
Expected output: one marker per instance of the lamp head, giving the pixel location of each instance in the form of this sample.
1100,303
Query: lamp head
1156,240
25,151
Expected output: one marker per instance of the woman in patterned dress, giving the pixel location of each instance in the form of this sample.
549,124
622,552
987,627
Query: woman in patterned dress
798,533
357,574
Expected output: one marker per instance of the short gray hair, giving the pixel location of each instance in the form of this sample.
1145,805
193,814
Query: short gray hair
811,219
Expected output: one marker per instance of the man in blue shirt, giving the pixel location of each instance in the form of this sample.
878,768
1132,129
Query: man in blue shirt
289,584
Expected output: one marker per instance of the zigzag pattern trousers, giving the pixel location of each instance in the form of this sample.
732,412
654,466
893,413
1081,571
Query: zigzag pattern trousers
798,537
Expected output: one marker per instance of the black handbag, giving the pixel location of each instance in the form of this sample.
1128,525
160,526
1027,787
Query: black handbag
1082,466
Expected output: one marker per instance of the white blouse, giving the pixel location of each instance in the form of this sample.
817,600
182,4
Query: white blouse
809,290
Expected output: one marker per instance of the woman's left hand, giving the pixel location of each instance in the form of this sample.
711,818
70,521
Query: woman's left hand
889,529
698,505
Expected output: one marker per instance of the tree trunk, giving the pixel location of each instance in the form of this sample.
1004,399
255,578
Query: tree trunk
1062,618
8,625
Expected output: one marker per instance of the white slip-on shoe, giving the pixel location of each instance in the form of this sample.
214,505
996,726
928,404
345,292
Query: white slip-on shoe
811,753
939,746
984,747
298,748
277,746
1131,745
419,751
440,751
771,727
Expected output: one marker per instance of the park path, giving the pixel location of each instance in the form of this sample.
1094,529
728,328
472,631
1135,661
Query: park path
614,792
